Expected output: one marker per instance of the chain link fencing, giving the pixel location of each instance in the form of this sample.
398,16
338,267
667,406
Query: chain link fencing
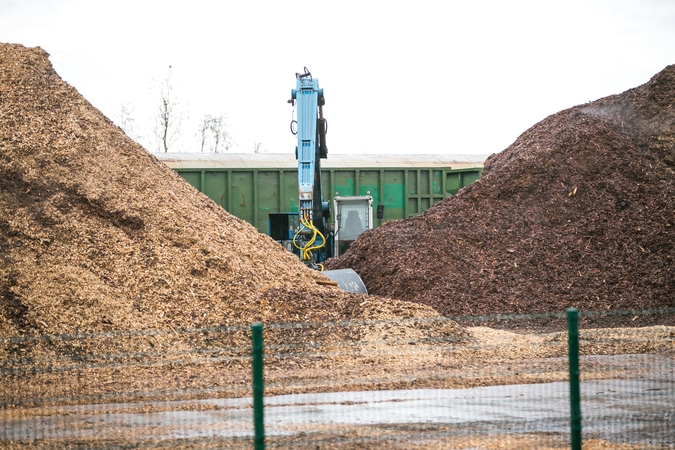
463,382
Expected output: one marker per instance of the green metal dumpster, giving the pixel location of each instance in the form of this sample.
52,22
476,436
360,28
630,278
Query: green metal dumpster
252,185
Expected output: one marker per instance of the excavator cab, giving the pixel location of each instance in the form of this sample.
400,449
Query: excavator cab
353,216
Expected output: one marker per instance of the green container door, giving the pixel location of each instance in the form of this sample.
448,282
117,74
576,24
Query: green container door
344,182
393,187
424,188
242,196
215,187
192,177
289,192
456,180
269,200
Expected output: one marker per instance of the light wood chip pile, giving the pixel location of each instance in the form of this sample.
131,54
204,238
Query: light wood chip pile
96,234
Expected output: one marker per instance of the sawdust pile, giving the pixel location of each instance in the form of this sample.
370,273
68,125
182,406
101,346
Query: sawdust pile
97,235
579,211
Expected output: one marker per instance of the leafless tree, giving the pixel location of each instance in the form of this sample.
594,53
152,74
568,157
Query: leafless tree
168,121
124,118
204,131
214,134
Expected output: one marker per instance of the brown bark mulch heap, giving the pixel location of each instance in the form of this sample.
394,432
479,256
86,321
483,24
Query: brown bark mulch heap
96,234
578,211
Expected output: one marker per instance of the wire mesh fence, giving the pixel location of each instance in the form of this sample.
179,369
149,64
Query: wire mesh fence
462,382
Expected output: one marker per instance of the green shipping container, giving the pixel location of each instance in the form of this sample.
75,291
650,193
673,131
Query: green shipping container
250,186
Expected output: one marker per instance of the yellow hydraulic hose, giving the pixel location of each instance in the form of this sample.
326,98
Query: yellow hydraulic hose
308,249
309,246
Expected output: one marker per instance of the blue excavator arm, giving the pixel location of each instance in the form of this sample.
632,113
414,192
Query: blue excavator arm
313,213
311,148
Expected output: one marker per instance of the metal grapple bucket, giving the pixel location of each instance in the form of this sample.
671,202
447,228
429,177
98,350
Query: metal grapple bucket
347,280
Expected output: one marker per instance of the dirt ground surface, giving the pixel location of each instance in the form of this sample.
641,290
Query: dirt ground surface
386,356
362,439
578,212
415,437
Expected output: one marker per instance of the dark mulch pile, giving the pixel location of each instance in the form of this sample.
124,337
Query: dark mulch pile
579,211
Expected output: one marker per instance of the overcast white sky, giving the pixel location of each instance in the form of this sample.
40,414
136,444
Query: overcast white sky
399,77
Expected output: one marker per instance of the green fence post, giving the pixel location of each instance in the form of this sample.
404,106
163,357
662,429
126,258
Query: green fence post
258,385
575,400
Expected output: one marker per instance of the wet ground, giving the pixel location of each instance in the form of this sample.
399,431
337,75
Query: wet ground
623,411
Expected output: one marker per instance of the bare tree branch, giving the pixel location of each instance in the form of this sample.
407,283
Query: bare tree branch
214,135
124,118
169,117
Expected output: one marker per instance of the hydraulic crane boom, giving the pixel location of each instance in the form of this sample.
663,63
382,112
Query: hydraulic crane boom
311,148
306,232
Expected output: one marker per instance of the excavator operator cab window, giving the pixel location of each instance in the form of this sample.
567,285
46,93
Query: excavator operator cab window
354,225
352,217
